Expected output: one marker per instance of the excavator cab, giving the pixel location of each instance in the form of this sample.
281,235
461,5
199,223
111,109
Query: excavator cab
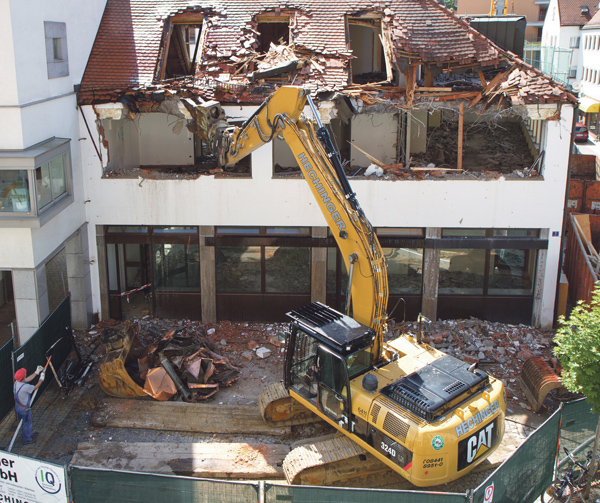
325,350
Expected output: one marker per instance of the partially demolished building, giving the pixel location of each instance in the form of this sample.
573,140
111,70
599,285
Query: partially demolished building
458,152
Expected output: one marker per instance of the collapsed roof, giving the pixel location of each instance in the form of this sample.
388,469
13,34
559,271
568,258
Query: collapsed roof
239,51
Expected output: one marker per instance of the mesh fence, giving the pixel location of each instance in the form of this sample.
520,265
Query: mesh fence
54,333
92,485
307,494
527,472
6,379
578,426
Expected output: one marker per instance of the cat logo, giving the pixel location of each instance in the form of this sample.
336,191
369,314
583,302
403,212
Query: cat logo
474,446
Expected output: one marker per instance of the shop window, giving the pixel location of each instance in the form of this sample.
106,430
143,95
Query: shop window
127,229
288,231
238,269
45,182
176,267
238,231
462,271
405,270
400,232
487,272
245,269
287,269
511,272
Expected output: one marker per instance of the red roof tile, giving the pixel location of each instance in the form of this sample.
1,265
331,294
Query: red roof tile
127,47
576,12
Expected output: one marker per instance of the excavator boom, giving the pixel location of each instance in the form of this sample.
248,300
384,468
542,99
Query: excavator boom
404,405
281,114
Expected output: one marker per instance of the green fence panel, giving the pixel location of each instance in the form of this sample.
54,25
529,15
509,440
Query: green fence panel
526,473
275,493
7,400
578,425
55,329
94,485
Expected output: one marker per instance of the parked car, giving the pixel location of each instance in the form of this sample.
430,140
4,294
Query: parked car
581,132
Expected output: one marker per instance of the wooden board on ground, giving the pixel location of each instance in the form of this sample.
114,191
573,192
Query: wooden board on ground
181,416
210,460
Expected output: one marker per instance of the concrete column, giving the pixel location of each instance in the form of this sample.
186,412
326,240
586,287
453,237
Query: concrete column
26,304
208,283
318,271
538,288
431,274
102,273
78,275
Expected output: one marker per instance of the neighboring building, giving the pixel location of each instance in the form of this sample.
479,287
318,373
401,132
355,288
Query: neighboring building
533,10
589,73
44,254
400,82
561,39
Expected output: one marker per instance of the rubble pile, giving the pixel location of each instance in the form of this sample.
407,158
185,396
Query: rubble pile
182,362
207,357
500,349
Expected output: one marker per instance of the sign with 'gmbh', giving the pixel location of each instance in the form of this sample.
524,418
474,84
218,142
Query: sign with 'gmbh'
31,481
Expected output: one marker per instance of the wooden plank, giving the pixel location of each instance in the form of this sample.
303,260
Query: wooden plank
482,79
181,416
374,160
211,460
430,89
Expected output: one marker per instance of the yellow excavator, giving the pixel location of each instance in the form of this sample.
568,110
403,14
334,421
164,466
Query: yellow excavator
425,414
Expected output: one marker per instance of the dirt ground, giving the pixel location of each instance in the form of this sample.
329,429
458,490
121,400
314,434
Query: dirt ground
239,343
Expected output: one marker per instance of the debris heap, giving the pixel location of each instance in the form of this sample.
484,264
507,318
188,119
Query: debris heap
180,363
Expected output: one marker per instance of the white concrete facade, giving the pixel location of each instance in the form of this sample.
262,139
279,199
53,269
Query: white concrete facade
33,109
265,200
589,63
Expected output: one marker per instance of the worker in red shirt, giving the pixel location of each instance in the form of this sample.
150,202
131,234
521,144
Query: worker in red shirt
23,393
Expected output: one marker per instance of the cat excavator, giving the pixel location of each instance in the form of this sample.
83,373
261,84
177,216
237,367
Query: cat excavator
400,404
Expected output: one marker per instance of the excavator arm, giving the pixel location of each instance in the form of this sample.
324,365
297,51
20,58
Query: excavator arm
428,416
282,115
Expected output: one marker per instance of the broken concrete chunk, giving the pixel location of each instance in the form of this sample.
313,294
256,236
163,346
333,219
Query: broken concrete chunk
263,352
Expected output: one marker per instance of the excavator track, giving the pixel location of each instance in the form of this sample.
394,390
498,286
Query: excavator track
277,406
330,462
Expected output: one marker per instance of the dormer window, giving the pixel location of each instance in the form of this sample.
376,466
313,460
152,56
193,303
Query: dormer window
272,29
182,49
365,36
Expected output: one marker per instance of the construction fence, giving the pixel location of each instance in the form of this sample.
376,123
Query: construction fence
519,479
52,338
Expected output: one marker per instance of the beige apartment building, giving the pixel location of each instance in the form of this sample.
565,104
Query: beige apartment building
533,10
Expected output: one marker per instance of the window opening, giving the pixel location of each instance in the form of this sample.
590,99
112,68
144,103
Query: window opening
57,59
368,64
275,31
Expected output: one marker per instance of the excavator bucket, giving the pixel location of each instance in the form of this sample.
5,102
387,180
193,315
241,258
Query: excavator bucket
114,378
538,378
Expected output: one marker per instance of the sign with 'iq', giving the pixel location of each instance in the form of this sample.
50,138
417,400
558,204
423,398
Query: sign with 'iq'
28,480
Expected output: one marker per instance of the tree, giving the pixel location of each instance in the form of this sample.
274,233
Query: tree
450,4
578,349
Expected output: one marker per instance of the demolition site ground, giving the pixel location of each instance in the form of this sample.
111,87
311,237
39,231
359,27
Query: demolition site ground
73,425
